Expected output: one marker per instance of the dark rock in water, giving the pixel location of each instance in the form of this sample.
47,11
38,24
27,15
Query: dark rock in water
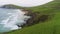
19,25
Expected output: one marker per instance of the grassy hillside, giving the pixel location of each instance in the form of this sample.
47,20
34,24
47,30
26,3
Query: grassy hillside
48,27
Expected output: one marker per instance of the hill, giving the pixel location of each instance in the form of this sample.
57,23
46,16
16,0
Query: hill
51,26
11,6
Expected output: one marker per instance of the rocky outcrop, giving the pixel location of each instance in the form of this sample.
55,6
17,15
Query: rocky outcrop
36,17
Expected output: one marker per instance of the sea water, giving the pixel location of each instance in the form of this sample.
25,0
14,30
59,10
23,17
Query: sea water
10,18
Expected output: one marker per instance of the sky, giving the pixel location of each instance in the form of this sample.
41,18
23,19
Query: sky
25,3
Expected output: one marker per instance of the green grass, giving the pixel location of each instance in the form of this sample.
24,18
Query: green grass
48,27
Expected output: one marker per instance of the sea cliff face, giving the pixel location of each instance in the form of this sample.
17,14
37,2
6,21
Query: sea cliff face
35,17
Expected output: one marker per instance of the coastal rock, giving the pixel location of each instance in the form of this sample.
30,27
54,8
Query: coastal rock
36,17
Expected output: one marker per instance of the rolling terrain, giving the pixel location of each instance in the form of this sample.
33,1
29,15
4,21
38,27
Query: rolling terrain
51,26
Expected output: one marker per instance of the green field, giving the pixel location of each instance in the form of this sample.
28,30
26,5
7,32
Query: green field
51,26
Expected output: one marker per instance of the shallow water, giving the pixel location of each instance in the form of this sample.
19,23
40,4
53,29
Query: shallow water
10,18
25,3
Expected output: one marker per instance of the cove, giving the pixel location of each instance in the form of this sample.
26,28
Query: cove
10,18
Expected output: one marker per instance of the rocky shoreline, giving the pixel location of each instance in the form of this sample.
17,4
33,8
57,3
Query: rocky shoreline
36,17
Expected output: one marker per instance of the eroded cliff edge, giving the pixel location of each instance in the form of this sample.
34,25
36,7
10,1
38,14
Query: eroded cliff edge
35,18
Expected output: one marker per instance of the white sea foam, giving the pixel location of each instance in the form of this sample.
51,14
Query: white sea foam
10,18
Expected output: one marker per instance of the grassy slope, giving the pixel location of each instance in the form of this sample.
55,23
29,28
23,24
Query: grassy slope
49,27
